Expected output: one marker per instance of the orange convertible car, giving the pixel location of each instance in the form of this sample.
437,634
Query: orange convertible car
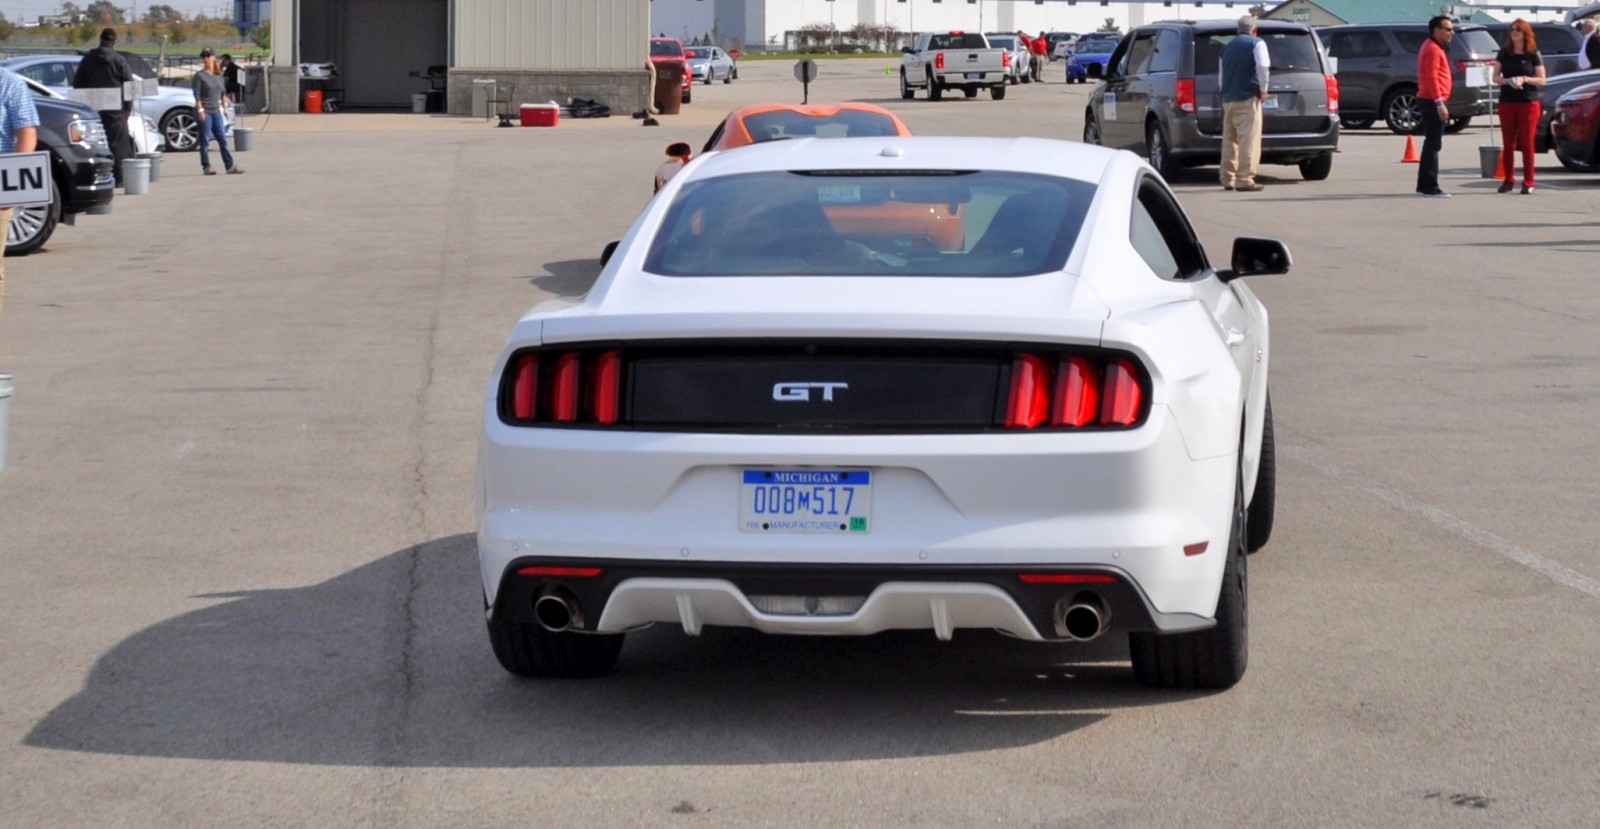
942,224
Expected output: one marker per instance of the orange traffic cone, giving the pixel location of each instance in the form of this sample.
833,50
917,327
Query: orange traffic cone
1411,152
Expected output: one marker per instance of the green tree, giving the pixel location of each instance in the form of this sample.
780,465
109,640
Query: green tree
1110,26
177,31
261,35
6,29
102,11
85,32
161,13
71,10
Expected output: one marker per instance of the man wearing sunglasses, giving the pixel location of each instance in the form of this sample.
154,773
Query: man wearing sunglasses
1433,89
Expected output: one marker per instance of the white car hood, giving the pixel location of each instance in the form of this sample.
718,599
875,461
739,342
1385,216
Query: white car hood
1050,307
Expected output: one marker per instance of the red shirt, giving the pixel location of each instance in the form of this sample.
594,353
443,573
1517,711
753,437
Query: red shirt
1433,72
1039,46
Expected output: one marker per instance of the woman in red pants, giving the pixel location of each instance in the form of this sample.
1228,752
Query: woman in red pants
1519,73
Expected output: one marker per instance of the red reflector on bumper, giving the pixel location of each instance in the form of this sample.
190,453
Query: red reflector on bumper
569,572
1066,578
1195,549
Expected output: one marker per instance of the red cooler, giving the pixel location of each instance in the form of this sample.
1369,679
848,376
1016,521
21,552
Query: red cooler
540,115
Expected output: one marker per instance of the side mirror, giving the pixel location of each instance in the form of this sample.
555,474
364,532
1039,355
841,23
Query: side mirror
1257,257
1095,70
678,149
605,253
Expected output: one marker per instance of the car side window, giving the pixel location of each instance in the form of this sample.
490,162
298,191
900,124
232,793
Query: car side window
1162,236
1166,56
1357,45
1557,40
1410,42
1139,54
1117,64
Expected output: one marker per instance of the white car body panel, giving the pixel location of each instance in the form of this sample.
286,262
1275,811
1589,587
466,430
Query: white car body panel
1128,500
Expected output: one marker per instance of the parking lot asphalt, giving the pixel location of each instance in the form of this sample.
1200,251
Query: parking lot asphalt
239,583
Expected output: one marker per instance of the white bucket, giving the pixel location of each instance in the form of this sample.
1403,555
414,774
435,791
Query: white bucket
5,420
419,102
135,176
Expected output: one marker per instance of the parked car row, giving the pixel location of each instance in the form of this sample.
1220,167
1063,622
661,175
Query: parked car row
171,111
80,170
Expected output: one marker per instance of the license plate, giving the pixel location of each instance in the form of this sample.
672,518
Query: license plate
805,501
1270,103
839,193
974,76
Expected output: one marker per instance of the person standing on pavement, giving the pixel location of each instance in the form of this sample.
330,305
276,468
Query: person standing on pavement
19,133
1039,48
1433,90
1585,59
230,78
105,68
209,89
1518,73
1243,73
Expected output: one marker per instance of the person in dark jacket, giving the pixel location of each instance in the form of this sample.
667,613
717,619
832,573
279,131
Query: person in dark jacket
105,68
230,78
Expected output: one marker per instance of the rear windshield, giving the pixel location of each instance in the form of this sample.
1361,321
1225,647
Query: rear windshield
850,224
1002,41
846,123
1477,43
697,53
1096,47
1288,51
666,47
955,41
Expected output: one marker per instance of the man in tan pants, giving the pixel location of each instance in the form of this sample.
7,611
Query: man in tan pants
1242,75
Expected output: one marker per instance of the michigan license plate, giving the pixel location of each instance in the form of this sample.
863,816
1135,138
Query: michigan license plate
805,501
1270,103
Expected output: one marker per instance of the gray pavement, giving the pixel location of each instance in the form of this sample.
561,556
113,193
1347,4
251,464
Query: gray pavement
239,584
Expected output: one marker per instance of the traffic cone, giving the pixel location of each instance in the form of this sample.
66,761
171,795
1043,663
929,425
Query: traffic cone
1411,156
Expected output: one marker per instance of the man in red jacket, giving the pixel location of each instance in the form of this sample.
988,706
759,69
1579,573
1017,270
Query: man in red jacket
1040,49
1433,90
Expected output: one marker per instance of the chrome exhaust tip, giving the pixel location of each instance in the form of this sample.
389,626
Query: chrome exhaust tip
1082,618
557,610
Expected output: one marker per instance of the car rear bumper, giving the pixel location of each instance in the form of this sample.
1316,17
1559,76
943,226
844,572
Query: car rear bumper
1193,145
666,506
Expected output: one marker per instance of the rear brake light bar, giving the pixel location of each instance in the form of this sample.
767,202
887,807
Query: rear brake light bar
568,387
1066,578
1075,391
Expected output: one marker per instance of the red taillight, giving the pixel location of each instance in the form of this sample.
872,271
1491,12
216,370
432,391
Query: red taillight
1074,391
1333,92
938,61
564,387
561,572
604,384
525,387
1077,395
1066,578
1123,396
1185,95
1005,59
1030,392
564,404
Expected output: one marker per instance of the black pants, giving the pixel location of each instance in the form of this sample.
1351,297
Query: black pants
116,124
1432,142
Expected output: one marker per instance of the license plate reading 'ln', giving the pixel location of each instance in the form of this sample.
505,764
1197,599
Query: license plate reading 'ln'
805,501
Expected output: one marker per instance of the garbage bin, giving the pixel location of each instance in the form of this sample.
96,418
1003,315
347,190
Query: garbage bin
244,139
155,165
135,176
669,87
419,102
482,97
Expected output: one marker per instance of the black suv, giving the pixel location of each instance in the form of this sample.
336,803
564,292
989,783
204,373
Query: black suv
1377,67
80,168
1558,44
1161,96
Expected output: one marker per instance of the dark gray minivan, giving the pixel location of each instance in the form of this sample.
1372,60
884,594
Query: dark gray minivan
1160,97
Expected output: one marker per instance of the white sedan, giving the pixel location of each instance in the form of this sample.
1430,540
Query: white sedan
785,406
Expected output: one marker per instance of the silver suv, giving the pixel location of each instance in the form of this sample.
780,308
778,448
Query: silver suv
1161,97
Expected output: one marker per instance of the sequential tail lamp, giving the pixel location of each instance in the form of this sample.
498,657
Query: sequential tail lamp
1075,391
1184,95
1066,578
561,572
566,387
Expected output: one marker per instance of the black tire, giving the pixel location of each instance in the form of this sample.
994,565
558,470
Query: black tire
906,92
31,227
1356,123
1317,169
1458,124
1091,130
532,651
180,128
935,90
688,95
1400,111
1577,166
1214,658
998,93
1264,498
728,78
1158,151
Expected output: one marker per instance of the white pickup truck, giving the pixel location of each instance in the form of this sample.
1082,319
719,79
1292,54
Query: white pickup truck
960,60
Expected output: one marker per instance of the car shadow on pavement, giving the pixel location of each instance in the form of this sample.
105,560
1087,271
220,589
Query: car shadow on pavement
571,277
389,665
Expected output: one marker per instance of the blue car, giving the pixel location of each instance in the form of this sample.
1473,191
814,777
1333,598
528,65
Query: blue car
1089,51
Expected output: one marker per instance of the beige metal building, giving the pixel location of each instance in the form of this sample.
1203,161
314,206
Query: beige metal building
378,54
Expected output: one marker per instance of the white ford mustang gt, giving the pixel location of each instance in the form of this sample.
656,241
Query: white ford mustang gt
785,406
